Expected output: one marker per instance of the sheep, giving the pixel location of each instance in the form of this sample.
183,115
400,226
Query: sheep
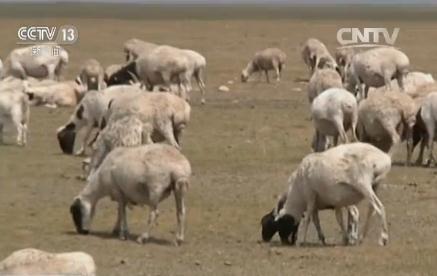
110,70
14,108
337,178
133,48
316,55
198,67
334,112
413,81
65,94
88,115
386,119
265,60
166,113
91,75
375,68
143,175
22,62
126,131
427,118
32,261
1,69
321,80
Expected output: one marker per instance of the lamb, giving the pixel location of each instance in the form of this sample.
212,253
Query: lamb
165,112
88,115
32,261
91,75
386,119
22,63
126,131
337,178
264,61
64,94
316,55
14,108
321,80
334,112
143,175
375,68
133,48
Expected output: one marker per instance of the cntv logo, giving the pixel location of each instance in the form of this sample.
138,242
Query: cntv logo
367,37
38,34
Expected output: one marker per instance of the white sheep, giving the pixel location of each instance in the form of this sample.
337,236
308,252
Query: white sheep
14,108
337,178
264,61
386,119
334,112
413,81
64,94
134,47
126,131
143,175
31,261
88,115
321,80
375,68
166,113
198,68
91,75
316,55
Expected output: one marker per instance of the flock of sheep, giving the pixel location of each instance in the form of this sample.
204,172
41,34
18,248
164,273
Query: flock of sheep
133,138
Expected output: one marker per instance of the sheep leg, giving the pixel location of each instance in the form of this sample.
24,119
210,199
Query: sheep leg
366,91
316,222
24,133
201,85
387,82
1,133
277,71
409,146
338,121
267,76
51,72
179,194
375,205
167,132
400,79
153,214
306,220
391,130
121,223
339,217
430,131
19,127
419,160
353,221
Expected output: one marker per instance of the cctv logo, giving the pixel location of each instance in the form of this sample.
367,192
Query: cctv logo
37,34
367,37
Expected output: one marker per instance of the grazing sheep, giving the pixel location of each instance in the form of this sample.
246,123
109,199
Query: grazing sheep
386,119
427,124
67,93
91,75
111,70
88,114
133,48
22,63
334,112
14,108
334,179
31,261
316,55
264,61
126,131
413,81
375,68
198,67
167,113
321,80
343,57
143,175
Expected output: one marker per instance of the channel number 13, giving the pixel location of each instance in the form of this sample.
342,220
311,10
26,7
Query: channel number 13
68,34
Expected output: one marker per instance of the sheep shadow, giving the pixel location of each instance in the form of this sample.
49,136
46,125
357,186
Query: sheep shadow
131,237
278,244
301,79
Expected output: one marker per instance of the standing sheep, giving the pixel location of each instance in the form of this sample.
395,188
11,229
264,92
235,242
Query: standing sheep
386,119
31,261
322,80
143,175
334,112
133,48
376,68
14,108
264,61
91,75
316,55
337,178
198,65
